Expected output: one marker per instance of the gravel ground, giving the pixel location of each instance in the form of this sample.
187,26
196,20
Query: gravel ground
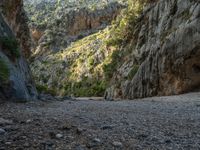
152,123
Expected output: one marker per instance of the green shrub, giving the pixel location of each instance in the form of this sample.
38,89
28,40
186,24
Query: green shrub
124,31
4,71
85,88
123,28
110,68
12,45
91,61
113,41
46,90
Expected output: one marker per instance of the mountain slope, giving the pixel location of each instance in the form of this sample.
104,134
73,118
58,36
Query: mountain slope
55,25
76,67
77,70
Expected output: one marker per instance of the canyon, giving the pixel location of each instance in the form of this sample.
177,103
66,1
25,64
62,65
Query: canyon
99,74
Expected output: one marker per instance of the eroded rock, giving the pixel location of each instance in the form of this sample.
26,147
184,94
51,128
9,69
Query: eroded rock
167,49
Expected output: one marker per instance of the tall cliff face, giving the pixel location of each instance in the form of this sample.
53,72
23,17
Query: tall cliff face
15,16
15,78
165,56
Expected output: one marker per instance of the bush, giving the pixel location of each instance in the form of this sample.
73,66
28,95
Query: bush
4,71
91,61
45,89
110,68
86,88
12,45
123,28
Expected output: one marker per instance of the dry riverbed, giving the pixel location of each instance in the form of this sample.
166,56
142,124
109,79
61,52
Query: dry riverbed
152,123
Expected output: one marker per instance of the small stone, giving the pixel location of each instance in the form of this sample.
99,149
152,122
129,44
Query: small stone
2,131
5,122
117,144
79,130
66,127
70,137
26,144
59,136
8,143
97,140
23,137
28,121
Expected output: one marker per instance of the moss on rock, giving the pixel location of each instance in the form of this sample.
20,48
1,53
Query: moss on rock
4,71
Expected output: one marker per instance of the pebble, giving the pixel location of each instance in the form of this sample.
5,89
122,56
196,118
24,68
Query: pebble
28,121
79,130
107,127
59,136
97,140
2,131
117,144
67,127
26,144
8,143
5,122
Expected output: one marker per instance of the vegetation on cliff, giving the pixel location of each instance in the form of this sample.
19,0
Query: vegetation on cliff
77,70
4,71
112,57
11,46
86,67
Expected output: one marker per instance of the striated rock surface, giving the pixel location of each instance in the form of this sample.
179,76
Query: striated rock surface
167,52
15,78
16,18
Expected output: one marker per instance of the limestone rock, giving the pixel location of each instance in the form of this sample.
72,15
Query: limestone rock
167,49
15,79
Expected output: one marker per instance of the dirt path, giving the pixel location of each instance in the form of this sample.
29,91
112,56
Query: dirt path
152,123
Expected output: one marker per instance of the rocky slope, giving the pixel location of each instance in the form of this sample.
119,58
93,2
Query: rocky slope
164,52
55,25
15,77
78,69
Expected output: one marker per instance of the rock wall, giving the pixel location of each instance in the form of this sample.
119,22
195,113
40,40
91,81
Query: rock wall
167,51
15,78
16,18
